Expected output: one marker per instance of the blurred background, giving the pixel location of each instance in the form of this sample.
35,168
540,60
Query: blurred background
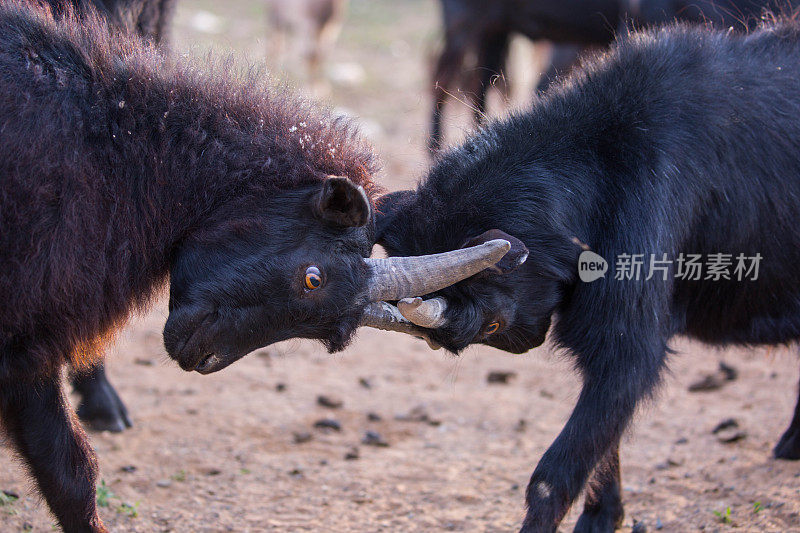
388,435
373,61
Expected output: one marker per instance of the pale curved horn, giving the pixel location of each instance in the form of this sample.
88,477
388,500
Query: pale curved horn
385,316
424,313
403,277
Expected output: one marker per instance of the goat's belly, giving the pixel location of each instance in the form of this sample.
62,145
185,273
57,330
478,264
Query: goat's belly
748,317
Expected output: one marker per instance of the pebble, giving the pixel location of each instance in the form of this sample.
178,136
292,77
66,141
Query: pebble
328,424
418,414
708,383
730,372
280,387
715,381
128,469
725,424
164,483
639,527
731,436
374,417
373,438
500,377
728,431
352,454
299,437
329,402
364,382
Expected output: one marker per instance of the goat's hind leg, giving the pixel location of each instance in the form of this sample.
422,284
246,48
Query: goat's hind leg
48,437
789,445
100,407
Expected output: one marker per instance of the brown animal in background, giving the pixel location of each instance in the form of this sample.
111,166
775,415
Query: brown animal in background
313,24
149,18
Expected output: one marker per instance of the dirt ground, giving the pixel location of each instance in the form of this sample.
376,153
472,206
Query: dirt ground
220,453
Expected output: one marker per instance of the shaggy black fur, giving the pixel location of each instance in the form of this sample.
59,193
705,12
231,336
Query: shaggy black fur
677,141
119,168
100,407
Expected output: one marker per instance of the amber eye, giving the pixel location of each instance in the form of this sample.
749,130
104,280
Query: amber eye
491,328
313,279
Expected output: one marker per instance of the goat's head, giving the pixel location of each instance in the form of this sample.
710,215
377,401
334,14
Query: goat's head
296,268
507,305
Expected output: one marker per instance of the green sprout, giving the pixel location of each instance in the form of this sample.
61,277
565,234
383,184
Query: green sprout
7,498
724,517
131,511
104,494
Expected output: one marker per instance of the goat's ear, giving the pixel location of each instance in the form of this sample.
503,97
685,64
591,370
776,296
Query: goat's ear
388,207
342,202
515,257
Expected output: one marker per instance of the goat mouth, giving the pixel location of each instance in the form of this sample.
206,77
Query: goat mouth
214,362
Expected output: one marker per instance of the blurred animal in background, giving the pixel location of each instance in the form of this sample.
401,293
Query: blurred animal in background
477,36
148,18
100,406
310,26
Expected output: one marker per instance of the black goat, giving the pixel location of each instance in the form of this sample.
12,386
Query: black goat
679,141
472,26
118,170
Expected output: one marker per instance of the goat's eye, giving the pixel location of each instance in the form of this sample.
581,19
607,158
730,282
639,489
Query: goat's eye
313,279
491,328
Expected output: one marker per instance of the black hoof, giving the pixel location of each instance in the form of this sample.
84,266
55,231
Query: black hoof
789,445
102,410
603,521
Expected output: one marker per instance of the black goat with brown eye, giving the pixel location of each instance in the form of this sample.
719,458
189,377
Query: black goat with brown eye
679,141
313,278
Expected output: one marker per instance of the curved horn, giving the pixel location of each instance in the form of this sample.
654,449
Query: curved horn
402,277
385,316
424,313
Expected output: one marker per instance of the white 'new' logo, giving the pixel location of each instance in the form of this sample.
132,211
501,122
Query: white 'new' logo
591,266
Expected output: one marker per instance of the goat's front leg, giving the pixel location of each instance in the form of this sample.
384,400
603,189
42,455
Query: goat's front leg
602,510
49,438
613,385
